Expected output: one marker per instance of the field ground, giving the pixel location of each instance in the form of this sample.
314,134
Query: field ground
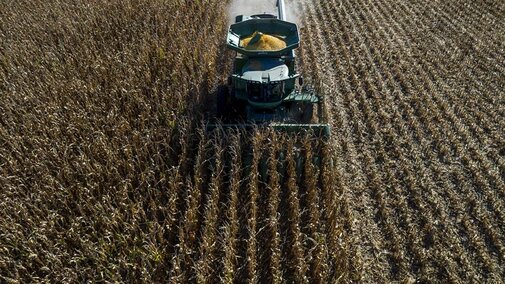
106,173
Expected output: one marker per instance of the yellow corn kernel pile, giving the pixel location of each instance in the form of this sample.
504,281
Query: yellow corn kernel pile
266,42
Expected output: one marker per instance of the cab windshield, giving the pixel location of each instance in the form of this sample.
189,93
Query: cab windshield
265,92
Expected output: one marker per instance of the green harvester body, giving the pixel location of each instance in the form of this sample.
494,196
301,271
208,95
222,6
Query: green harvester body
265,88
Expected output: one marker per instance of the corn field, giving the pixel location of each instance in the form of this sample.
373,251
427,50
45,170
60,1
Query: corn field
107,173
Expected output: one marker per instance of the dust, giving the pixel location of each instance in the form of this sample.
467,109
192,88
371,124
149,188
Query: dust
251,7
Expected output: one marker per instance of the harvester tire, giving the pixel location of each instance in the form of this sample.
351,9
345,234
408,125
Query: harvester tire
308,111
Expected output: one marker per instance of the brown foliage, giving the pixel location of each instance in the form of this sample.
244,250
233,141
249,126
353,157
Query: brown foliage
106,173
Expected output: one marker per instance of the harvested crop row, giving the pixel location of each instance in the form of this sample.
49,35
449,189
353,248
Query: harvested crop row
463,154
395,98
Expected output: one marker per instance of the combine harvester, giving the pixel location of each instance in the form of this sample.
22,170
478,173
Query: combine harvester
265,88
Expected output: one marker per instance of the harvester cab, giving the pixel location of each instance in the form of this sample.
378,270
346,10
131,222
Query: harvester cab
265,88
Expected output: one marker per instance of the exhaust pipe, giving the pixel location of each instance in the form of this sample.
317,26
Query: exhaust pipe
282,16
281,9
